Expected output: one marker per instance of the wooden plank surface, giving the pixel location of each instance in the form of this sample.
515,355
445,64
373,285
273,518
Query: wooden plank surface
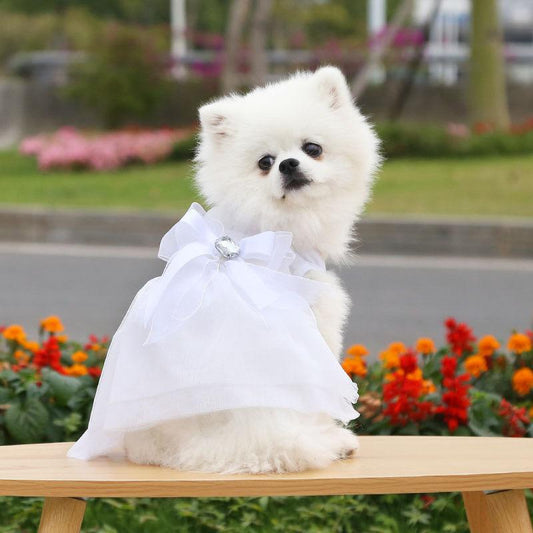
382,465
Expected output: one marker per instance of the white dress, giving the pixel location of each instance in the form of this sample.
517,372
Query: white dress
227,325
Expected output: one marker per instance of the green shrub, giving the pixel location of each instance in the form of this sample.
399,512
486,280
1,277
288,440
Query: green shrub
15,37
342,514
46,393
185,149
417,140
124,78
75,29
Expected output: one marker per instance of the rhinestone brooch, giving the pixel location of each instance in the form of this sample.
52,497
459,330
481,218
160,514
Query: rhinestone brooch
227,247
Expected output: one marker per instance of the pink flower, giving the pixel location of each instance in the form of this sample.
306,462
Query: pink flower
70,149
457,130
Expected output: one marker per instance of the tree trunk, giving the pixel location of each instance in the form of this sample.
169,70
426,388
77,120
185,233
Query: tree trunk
488,98
258,43
237,17
414,66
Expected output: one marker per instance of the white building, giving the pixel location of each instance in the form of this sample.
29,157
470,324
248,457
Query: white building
448,46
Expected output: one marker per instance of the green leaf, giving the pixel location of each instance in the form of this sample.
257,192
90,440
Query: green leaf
35,391
5,395
71,422
61,387
27,422
9,376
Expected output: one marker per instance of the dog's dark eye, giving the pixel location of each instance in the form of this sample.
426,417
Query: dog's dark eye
312,149
266,162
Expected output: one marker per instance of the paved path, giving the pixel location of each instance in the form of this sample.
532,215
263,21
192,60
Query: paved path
395,298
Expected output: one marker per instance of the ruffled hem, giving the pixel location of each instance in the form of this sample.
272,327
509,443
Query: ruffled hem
125,417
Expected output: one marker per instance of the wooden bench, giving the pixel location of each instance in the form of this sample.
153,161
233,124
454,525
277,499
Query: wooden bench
492,474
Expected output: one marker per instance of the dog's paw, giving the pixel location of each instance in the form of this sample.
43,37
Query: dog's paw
348,443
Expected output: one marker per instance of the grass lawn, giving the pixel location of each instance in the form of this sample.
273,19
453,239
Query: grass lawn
166,186
497,186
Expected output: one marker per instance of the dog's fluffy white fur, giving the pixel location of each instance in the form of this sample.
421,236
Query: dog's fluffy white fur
237,131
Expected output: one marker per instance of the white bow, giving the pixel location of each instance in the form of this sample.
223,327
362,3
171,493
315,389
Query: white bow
193,264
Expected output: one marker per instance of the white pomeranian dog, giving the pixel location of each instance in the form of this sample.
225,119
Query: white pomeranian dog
294,156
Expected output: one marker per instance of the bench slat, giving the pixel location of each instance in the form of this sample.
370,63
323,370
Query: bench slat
383,465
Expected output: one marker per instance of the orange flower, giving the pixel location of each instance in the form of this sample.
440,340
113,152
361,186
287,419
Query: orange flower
15,333
523,380
425,346
390,359
397,347
416,375
428,387
531,413
519,343
354,366
95,347
76,370
52,324
62,339
487,345
475,365
357,350
21,356
79,357
32,346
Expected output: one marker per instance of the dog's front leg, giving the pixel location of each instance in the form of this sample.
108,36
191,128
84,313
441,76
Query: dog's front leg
331,309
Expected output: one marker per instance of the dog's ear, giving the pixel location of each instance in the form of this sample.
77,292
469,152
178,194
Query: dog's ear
332,86
215,119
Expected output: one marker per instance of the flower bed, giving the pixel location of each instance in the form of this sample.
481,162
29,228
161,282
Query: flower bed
454,140
69,148
468,387
47,385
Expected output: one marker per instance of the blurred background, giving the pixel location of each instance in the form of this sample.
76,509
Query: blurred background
98,114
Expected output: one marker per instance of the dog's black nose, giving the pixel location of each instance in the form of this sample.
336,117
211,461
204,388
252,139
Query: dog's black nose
289,166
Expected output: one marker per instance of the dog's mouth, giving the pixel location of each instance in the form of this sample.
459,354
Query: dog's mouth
294,182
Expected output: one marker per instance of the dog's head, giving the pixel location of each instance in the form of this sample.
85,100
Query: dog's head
295,155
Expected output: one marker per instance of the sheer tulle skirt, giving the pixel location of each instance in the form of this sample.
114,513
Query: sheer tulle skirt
228,355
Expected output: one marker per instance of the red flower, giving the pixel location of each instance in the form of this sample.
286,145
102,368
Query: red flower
401,396
94,371
408,362
459,336
455,399
49,356
94,341
516,419
483,127
448,367
428,499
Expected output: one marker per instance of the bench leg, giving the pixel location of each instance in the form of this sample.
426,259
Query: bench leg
497,512
62,515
